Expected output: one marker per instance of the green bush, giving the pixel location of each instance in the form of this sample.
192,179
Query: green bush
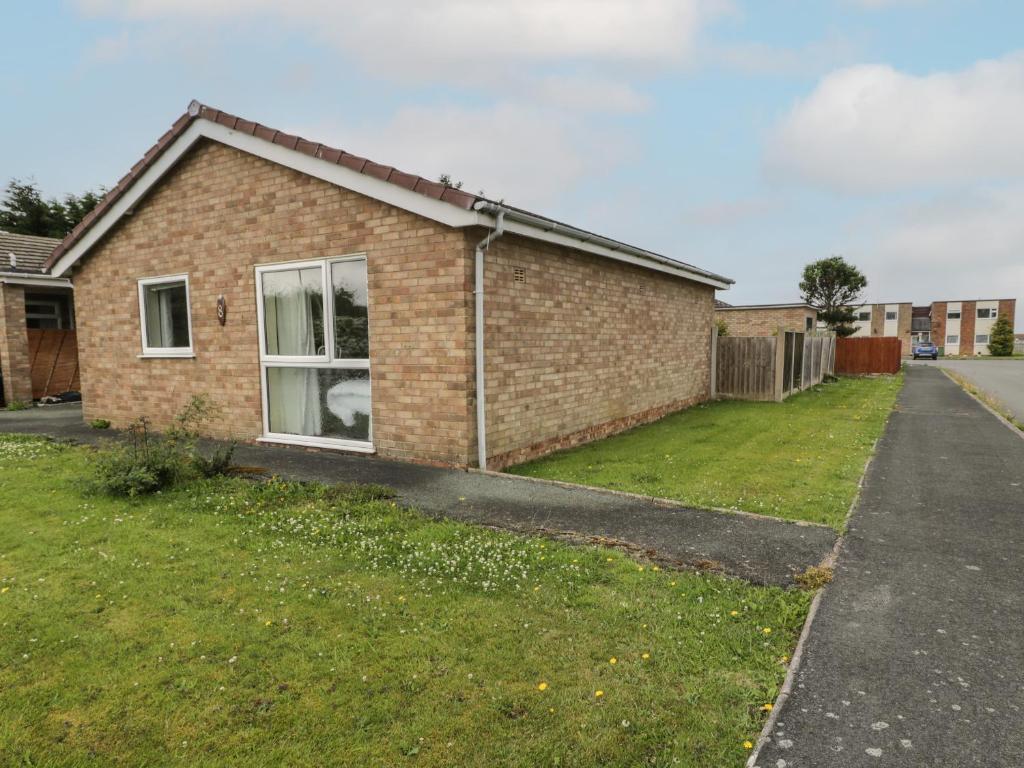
18,405
1000,343
147,462
99,424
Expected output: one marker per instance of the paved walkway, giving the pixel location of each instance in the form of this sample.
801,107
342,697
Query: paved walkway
1002,379
755,548
916,656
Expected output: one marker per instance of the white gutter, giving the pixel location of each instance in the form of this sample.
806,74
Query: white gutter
539,228
478,295
20,278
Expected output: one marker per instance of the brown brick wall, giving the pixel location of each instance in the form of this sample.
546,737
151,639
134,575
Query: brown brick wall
903,324
968,315
1008,307
216,216
766,321
877,319
15,365
938,318
584,347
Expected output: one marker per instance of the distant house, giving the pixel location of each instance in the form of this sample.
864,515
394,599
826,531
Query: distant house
765,319
37,321
888,319
321,299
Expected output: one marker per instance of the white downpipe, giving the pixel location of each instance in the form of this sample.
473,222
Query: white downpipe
478,294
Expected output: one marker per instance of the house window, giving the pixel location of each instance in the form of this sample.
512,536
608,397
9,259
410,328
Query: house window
953,314
863,316
808,323
43,313
315,352
986,313
952,339
166,316
981,338
890,315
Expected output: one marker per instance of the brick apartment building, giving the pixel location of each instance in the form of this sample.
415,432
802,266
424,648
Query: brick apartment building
320,299
956,327
765,319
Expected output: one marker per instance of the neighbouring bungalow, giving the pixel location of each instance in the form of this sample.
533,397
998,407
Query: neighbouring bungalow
321,299
38,355
765,319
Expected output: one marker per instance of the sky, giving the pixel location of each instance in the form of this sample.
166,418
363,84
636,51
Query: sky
747,138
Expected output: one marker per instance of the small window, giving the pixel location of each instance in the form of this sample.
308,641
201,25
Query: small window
166,317
981,338
809,323
953,314
890,315
986,313
863,316
952,339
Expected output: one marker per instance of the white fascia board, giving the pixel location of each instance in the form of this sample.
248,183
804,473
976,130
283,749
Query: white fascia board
536,233
42,281
386,192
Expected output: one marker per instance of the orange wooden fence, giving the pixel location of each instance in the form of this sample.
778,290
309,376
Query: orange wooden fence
54,359
876,354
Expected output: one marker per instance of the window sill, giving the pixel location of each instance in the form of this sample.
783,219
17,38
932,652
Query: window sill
166,355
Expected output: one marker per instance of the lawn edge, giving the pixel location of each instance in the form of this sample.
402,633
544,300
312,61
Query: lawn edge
962,382
829,562
658,500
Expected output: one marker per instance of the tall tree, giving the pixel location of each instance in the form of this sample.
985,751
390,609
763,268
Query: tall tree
24,210
833,286
1000,339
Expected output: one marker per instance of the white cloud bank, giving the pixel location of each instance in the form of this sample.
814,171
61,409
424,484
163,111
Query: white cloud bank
872,128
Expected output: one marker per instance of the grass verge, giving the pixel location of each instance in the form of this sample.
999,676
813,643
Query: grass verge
800,459
992,402
266,624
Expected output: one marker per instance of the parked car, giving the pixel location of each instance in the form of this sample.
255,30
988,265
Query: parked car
925,349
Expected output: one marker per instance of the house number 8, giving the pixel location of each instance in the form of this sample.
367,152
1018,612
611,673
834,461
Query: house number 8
222,310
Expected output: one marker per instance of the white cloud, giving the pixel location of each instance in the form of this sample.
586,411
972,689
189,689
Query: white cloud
872,127
963,245
527,155
415,40
587,94
753,58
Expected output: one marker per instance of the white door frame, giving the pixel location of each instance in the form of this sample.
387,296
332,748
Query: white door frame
325,360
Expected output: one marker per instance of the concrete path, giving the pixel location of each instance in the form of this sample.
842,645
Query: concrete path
916,656
759,549
1003,379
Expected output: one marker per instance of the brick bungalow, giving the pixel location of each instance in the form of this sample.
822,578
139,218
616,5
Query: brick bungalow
458,331
766,319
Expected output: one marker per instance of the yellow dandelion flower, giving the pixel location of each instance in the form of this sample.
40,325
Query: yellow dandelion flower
640,568
613,660
655,568
734,613
767,630
671,583
536,589
552,710
5,589
268,623
542,686
768,707
748,745
598,694
610,559
645,656
785,659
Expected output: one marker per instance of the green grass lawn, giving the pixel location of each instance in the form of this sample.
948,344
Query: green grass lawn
242,624
801,459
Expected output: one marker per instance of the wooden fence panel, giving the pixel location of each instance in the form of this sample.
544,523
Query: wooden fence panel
876,354
746,367
53,355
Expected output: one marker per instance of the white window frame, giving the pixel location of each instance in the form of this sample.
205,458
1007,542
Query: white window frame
989,313
953,338
326,360
890,315
158,352
953,314
863,317
981,338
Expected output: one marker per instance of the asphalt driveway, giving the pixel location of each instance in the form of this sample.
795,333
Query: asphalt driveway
916,656
760,549
1002,379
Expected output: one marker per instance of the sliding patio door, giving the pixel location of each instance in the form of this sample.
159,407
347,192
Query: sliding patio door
315,352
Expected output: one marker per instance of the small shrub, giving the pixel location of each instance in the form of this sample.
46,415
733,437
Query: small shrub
99,424
18,405
1001,337
217,463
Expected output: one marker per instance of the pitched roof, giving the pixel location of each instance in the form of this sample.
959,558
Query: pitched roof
464,204
30,252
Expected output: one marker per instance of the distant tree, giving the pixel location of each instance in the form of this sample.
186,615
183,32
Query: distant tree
723,327
833,286
446,179
24,210
1000,340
